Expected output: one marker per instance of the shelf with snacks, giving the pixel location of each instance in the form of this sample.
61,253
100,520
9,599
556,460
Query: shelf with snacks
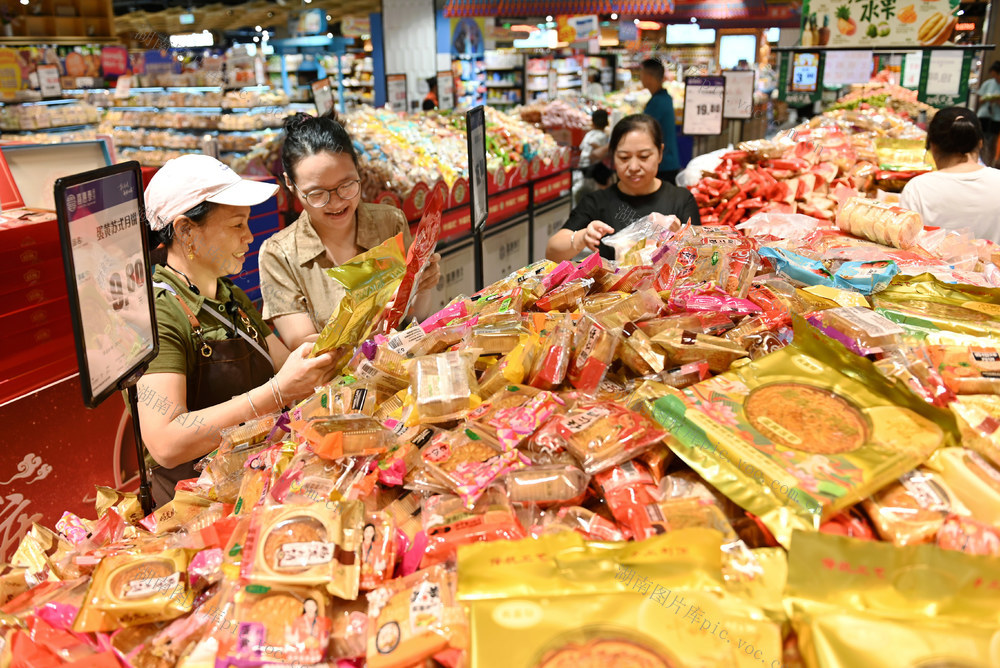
30,117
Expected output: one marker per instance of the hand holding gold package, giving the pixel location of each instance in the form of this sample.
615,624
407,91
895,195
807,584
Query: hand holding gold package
370,279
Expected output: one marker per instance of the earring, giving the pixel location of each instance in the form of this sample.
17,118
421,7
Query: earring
190,252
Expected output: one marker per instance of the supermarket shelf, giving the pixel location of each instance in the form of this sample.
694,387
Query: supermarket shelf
503,69
495,85
57,128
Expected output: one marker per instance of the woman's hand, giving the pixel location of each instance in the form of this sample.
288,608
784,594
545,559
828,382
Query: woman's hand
301,374
590,237
432,274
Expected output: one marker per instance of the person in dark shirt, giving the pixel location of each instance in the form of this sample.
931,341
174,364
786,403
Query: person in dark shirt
661,107
636,147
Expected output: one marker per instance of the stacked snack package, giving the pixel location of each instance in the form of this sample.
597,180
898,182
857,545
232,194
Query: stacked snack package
771,446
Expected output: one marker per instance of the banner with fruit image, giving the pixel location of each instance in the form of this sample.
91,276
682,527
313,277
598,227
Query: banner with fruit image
878,23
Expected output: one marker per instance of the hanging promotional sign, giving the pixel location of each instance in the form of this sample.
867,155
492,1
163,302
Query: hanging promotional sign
114,61
446,90
878,23
578,28
395,86
355,26
944,78
703,99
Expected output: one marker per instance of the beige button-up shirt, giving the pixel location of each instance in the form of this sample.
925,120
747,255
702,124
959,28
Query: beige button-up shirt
293,263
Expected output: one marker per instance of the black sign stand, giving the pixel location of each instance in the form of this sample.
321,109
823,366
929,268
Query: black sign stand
475,124
125,179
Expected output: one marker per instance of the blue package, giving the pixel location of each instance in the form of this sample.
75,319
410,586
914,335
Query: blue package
865,277
798,267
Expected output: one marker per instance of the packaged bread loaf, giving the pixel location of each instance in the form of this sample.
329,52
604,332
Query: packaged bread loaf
879,222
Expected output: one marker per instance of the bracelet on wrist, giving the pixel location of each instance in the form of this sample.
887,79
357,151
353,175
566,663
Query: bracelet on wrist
252,407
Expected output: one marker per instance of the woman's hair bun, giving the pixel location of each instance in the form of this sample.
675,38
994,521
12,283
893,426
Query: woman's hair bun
296,121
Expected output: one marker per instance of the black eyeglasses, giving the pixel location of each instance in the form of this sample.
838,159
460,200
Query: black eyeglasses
320,197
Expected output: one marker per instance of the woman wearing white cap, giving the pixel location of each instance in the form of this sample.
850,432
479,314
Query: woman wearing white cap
217,358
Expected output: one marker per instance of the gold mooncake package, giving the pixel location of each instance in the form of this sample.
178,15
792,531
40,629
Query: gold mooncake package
866,603
559,601
803,433
313,544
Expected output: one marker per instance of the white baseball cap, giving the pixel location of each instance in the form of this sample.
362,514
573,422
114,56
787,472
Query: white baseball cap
185,182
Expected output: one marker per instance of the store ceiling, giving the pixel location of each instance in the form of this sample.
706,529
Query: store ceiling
225,15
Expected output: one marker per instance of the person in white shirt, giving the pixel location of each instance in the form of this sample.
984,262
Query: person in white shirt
961,193
989,113
593,149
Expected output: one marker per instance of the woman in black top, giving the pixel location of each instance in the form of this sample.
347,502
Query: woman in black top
636,147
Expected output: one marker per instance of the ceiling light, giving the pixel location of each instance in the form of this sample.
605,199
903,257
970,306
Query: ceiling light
24,2
614,17
270,15
635,21
329,18
329,35
958,13
257,28
549,18
256,38
694,20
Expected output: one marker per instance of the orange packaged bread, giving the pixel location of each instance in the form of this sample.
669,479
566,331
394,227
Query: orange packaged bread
967,369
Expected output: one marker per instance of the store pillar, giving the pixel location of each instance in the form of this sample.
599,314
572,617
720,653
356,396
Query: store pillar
410,42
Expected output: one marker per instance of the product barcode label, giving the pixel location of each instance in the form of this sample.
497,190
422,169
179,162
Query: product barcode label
404,341
358,401
367,371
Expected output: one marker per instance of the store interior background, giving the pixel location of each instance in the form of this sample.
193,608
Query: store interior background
273,52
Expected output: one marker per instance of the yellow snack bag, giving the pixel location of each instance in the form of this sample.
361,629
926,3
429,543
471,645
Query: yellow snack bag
559,601
313,544
133,589
126,504
863,603
978,417
370,279
801,434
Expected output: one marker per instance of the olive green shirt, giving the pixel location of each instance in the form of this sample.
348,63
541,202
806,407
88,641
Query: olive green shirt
177,346
293,263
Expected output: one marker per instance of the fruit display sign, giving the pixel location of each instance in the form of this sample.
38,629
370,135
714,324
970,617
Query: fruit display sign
878,23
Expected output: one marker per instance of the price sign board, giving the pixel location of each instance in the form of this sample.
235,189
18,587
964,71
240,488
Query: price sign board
847,67
323,95
739,94
476,123
911,69
395,85
102,227
703,100
48,81
805,72
446,90
944,79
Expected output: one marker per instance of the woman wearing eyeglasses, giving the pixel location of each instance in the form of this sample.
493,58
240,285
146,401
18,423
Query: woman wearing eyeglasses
321,169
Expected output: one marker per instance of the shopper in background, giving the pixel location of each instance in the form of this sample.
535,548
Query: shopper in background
989,113
430,102
661,108
593,149
321,168
636,148
213,342
961,193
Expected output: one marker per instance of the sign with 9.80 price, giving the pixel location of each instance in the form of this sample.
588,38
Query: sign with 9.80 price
115,329
703,100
